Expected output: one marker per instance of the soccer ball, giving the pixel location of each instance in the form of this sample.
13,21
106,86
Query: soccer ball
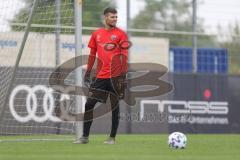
177,140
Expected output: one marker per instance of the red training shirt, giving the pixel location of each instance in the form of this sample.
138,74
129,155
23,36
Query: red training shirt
110,63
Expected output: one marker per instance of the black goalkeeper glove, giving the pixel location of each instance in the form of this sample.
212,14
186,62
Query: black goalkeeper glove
121,85
87,79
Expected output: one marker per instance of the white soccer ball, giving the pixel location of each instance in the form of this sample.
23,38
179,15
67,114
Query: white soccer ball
177,140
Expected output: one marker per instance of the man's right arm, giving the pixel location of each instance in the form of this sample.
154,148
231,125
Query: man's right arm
91,60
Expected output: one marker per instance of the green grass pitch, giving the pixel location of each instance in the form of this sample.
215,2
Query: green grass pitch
128,147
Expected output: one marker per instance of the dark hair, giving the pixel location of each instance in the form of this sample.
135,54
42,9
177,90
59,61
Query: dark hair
109,10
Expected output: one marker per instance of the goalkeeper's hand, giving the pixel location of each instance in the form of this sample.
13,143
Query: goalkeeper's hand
122,85
87,79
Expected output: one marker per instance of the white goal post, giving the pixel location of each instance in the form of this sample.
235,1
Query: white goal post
28,57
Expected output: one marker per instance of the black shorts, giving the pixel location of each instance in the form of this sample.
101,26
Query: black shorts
101,88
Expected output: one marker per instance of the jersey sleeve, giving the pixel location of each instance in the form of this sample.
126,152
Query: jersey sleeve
124,52
124,38
91,59
92,42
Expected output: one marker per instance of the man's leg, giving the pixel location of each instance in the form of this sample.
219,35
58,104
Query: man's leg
99,84
88,116
114,99
115,115
115,119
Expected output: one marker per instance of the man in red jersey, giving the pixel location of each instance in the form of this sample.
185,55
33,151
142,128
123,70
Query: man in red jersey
107,44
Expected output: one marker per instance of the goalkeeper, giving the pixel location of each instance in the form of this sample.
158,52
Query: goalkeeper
107,44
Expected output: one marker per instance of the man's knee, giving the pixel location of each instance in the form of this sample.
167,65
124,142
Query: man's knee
90,104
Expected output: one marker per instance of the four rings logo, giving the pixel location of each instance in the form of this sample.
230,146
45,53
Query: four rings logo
32,104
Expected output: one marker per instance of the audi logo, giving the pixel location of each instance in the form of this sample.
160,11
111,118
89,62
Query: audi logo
32,104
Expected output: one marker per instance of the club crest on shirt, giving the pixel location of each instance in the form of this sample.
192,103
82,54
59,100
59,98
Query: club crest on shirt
113,37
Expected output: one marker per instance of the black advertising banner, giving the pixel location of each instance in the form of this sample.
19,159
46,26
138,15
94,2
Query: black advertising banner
199,103
205,104
233,94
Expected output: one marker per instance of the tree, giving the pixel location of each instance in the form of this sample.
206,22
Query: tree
232,43
170,15
45,14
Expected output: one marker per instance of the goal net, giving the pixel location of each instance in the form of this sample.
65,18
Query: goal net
26,100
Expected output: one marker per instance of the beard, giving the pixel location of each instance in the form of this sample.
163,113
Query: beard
112,25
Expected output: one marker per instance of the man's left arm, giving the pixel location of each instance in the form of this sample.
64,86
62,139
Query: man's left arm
122,83
124,53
